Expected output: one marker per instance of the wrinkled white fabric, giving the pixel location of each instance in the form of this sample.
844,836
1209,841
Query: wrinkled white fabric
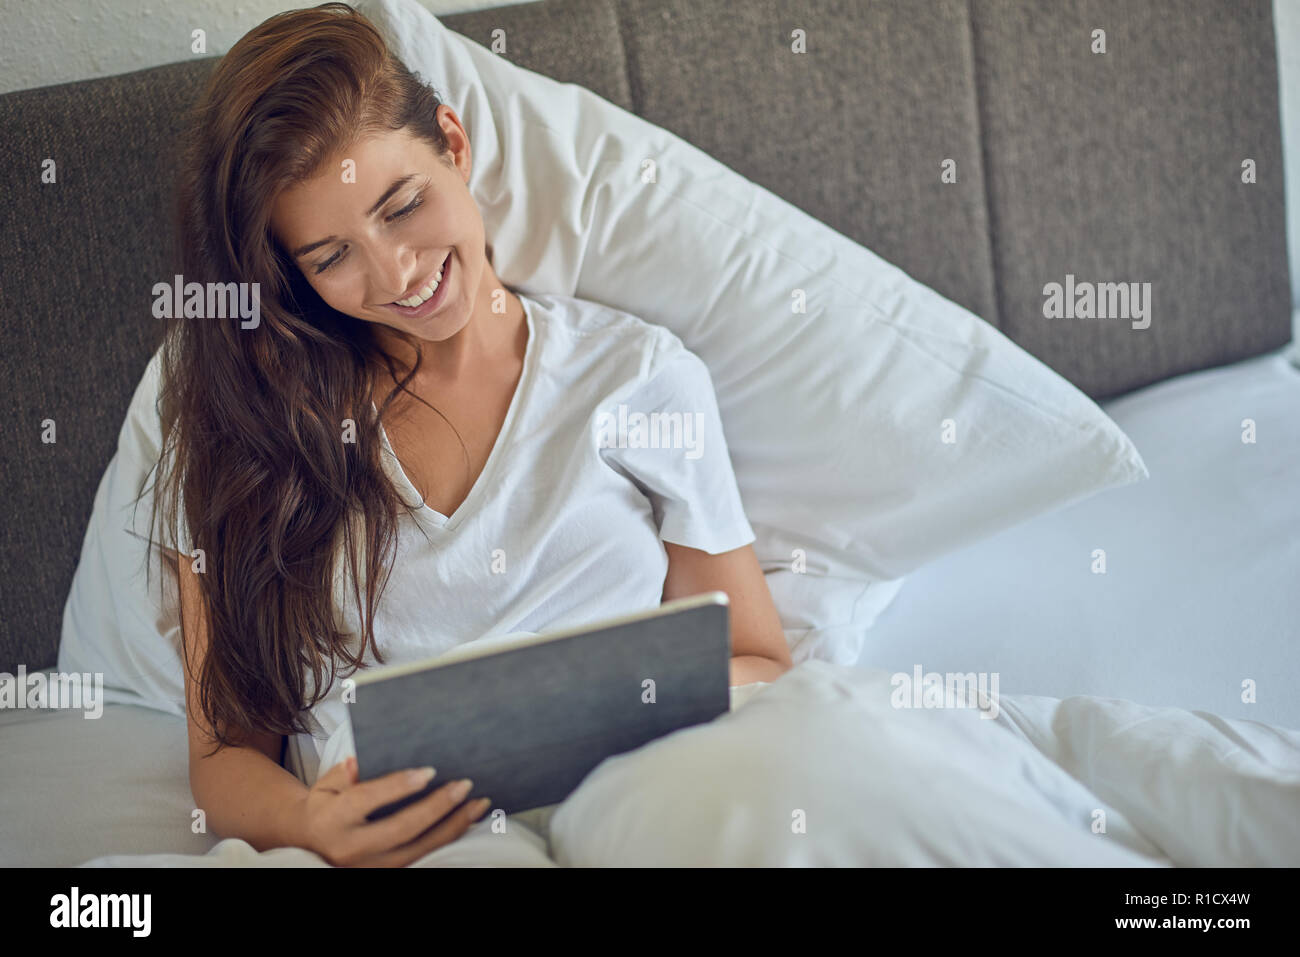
821,768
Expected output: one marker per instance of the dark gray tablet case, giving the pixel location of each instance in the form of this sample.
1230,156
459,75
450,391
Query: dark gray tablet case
527,724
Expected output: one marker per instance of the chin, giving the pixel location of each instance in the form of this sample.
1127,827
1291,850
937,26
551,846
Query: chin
443,326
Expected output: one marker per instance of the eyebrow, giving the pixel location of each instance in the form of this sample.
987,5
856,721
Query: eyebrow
397,184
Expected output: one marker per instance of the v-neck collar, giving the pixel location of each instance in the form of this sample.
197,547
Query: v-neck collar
426,514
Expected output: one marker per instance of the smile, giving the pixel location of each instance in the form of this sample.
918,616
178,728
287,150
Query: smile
430,296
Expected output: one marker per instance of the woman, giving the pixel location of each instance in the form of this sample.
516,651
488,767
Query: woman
396,423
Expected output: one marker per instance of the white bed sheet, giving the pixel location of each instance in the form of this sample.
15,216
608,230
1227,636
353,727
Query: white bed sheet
1176,787
74,788
1027,786
1202,585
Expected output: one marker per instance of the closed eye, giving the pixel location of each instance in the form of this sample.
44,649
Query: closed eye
395,217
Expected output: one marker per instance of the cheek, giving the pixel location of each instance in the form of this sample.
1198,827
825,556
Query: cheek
342,296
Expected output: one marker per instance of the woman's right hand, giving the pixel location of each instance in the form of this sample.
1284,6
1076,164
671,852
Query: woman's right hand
335,826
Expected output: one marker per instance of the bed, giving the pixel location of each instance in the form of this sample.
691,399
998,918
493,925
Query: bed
1207,594
950,616
1195,617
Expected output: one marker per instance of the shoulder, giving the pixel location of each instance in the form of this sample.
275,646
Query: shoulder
594,331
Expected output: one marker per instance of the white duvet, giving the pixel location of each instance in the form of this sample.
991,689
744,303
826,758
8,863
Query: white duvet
834,765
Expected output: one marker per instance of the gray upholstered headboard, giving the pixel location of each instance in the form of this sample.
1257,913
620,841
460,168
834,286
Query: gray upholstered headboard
1115,167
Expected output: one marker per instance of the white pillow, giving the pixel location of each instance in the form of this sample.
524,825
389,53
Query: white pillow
834,416
112,624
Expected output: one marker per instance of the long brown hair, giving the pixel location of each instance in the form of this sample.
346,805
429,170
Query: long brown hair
253,418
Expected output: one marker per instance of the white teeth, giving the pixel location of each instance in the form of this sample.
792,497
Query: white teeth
425,293
420,297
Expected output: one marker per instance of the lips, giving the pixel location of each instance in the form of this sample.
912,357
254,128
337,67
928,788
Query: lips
433,303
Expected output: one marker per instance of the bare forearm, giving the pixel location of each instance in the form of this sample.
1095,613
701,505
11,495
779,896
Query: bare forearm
746,669
245,794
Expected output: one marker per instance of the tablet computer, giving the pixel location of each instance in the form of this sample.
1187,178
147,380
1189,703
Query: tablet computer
526,719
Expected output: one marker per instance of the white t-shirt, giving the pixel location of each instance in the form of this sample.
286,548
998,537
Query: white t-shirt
612,445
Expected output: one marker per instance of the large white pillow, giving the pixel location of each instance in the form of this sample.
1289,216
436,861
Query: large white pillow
112,623
835,415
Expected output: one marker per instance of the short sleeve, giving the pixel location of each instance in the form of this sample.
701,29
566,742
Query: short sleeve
666,436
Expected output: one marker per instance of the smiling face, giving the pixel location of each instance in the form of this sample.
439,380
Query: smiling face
364,245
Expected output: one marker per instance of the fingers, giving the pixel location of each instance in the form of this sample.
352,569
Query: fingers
412,821
340,776
447,830
404,836
366,796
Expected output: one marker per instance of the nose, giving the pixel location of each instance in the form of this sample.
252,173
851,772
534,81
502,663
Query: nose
395,271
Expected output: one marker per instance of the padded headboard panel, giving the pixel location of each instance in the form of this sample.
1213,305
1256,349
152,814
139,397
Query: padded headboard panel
1127,167
1122,166
1115,167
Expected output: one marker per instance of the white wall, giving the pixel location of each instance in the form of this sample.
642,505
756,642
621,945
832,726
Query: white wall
57,41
